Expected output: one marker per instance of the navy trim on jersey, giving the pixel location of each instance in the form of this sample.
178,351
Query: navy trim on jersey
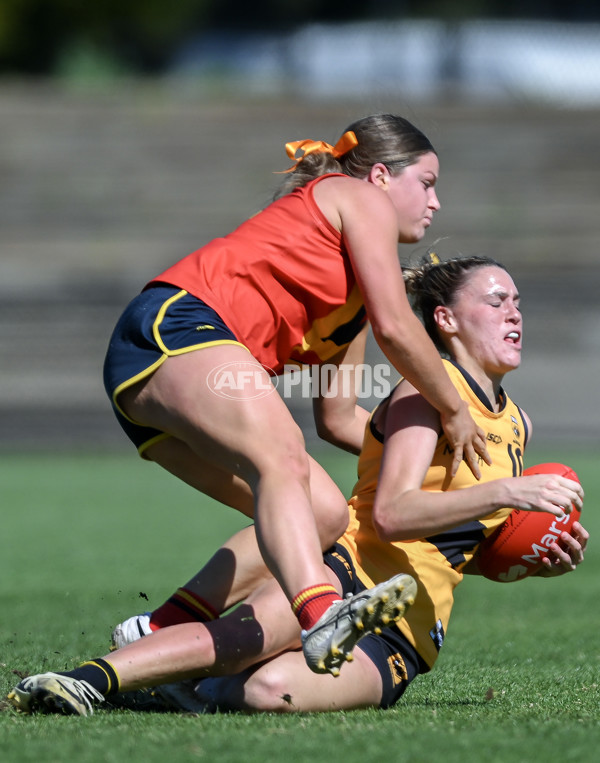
478,391
525,427
454,543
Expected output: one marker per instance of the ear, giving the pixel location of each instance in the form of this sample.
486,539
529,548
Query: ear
379,175
445,320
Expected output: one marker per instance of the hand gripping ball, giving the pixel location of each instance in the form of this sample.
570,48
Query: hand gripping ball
515,550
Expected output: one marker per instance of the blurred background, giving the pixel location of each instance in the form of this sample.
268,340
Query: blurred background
133,132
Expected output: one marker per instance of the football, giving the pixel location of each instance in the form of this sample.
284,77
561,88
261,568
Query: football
514,551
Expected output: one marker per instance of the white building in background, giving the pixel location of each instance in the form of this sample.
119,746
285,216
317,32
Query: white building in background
551,62
548,62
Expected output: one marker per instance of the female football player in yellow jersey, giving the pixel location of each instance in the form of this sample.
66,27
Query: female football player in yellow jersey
410,518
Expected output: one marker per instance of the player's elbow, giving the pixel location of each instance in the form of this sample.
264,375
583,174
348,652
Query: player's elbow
385,524
327,429
392,519
391,331
340,429
383,329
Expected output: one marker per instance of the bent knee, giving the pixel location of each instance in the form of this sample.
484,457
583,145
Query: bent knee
269,690
333,525
331,514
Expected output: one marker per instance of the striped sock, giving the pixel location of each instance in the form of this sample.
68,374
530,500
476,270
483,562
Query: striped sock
312,602
183,606
98,673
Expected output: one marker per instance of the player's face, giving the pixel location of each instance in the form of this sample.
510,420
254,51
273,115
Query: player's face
412,193
488,320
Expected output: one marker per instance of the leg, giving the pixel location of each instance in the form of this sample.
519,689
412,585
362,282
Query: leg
286,685
329,504
255,440
255,631
238,567
251,634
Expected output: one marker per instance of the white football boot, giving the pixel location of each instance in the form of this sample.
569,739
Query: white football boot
53,693
333,637
131,630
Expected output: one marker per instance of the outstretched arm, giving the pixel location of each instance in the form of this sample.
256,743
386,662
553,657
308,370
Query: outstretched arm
369,225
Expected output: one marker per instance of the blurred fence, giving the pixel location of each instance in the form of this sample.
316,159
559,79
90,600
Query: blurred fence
479,60
101,189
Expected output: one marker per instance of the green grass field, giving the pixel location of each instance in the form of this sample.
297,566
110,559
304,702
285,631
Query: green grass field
86,539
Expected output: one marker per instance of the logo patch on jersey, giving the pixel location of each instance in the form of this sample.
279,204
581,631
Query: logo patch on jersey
494,438
397,668
516,430
437,635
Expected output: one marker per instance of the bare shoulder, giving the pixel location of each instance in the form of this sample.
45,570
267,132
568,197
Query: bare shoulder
337,194
408,408
528,423
404,389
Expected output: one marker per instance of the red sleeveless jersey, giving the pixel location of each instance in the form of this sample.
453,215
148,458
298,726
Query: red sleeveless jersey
282,282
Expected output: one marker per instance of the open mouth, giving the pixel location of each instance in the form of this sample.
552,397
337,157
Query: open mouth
513,337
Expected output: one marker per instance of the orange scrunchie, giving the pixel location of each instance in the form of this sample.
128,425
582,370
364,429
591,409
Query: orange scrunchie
345,143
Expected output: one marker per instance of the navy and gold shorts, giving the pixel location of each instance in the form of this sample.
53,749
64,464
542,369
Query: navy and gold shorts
396,659
160,322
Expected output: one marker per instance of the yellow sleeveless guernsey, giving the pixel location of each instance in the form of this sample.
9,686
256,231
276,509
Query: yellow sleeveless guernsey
435,562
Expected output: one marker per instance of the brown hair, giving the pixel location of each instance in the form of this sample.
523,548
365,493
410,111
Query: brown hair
385,138
437,282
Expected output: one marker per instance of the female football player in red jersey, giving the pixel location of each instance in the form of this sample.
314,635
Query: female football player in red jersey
189,364
411,517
